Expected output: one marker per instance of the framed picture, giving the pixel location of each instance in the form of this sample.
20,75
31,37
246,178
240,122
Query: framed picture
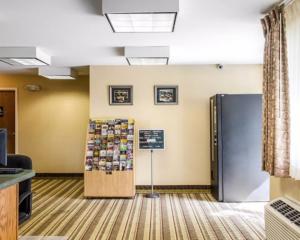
120,95
165,95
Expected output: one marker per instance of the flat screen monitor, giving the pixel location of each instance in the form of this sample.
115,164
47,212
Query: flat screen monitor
3,147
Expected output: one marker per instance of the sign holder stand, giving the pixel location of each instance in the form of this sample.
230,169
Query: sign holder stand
152,194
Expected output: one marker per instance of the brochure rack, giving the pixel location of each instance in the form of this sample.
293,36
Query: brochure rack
109,158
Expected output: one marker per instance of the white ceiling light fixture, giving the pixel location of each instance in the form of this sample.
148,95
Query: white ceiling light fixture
147,55
133,16
24,56
57,73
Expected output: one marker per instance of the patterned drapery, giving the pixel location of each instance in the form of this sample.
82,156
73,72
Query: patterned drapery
276,125
292,15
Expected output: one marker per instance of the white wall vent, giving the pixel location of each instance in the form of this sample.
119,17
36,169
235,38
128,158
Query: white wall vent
282,219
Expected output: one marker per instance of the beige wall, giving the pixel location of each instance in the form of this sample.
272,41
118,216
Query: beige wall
285,187
52,123
186,159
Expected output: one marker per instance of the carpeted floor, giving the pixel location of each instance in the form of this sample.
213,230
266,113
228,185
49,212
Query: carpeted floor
59,209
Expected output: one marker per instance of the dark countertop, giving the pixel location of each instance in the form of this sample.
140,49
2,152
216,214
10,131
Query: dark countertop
7,180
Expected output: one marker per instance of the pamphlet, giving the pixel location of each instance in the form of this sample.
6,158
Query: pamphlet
110,145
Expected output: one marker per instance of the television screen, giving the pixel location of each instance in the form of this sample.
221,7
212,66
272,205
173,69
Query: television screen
3,147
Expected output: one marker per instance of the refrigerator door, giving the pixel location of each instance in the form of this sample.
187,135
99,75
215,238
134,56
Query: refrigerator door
216,148
243,178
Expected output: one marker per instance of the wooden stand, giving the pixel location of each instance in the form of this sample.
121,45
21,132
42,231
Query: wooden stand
98,183
116,184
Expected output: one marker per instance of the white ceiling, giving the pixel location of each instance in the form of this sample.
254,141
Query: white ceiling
76,34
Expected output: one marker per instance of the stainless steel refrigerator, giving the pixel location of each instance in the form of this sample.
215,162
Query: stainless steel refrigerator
236,148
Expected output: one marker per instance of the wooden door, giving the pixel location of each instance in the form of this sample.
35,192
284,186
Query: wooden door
7,117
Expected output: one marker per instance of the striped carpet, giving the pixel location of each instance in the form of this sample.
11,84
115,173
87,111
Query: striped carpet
59,210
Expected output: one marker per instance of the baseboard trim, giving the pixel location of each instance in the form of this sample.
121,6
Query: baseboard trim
173,187
138,187
59,175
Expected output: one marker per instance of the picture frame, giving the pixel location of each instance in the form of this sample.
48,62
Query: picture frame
120,95
166,95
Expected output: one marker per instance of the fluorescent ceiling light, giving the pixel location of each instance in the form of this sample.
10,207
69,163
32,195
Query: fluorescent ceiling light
24,56
147,61
142,22
147,55
132,16
59,77
55,73
28,61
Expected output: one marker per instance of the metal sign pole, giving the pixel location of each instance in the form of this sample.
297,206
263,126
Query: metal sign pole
152,194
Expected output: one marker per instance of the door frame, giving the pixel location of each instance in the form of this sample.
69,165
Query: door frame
16,117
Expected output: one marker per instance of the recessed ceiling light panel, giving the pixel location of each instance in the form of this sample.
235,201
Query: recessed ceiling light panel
147,61
147,55
59,77
24,56
142,22
132,16
57,73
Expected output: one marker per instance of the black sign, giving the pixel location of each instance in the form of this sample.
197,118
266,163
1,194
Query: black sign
151,139
1,112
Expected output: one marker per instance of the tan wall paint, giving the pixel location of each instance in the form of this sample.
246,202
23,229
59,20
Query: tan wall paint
52,122
285,187
186,159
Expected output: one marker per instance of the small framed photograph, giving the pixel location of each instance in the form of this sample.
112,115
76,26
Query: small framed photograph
120,95
166,95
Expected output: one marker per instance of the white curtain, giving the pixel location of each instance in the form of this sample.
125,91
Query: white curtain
292,13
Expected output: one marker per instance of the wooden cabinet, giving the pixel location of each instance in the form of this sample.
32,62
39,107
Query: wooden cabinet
102,184
9,202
